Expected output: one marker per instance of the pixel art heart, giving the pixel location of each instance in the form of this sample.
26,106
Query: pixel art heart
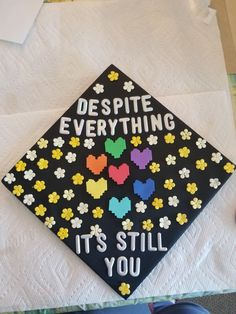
119,208
141,158
144,190
119,174
96,164
115,148
96,188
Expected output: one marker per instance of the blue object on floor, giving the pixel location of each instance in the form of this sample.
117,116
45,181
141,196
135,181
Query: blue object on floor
178,308
128,309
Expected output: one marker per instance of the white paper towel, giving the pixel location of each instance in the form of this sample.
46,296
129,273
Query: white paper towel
166,47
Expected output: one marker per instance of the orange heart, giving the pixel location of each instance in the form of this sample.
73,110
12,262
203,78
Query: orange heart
96,164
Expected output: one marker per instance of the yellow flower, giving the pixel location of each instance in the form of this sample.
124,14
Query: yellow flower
157,203
78,179
169,184
201,164
42,164
113,76
184,152
169,138
74,141
196,203
67,213
40,210
148,225
57,153
20,166
42,143
136,140
124,288
192,188
17,190
154,167
97,212
53,197
181,218
63,233
229,168
39,185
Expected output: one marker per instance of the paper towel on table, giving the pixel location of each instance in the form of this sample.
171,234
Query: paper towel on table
168,50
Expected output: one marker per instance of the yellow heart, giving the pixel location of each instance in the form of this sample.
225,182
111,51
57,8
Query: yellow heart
96,188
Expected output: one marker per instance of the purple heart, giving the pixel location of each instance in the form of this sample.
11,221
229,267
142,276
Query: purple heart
141,159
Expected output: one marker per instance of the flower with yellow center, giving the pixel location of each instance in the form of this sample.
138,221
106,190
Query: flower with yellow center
124,288
53,197
229,168
63,233
78,179
113,76
40,210
148,225
67,214
20,166
42,143
136,141
157,203
97,212
154,167
201,164
169,184
17,190
184,152
39,185
169,138
191,188
57,153
42,163
74,142
181,218
196,203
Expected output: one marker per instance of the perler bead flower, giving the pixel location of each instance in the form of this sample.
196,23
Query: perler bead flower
29,174
74,142
49,222
154,167
70,157
169,138
181,218
97,212
63,233
124,288
76,223
57,153
169,184
60,173
98,88
127,224
148,225
95,230
184,173
201,143
67,213
164,222
201,164
78,179
40,210
170,160
140,207
28,199
68,194
214,183
31,155
157,203
82,208
39,185
53,197
152,139
229,168
136,140
20,166
186,134
184,152
191,188
128,86
196,203
42,163
216,157
18,190
89,143
9,178
42,143
58,142
173,201
113,76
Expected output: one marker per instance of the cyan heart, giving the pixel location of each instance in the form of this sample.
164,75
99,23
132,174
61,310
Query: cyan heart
141,159
144,190
119,208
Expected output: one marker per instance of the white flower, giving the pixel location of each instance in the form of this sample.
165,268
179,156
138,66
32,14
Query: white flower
82,208
28,199
216,157
68,194
140,207
76,223
127,224
185,134
89,143
201,143
95,230
214,183
164,222
58,141
196,203
31,155
170,160
70,157
173,201
98,88
184,173
29,174
60,173
128,86
49,222
42,143
152,139
9,178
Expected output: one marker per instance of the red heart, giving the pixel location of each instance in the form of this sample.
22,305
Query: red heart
119,174
96,164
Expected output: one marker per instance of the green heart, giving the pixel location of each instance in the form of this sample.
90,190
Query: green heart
115,148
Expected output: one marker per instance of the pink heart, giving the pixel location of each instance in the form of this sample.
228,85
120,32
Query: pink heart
119,174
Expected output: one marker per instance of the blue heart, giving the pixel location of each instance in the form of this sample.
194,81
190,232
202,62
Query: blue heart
144,190
119,208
